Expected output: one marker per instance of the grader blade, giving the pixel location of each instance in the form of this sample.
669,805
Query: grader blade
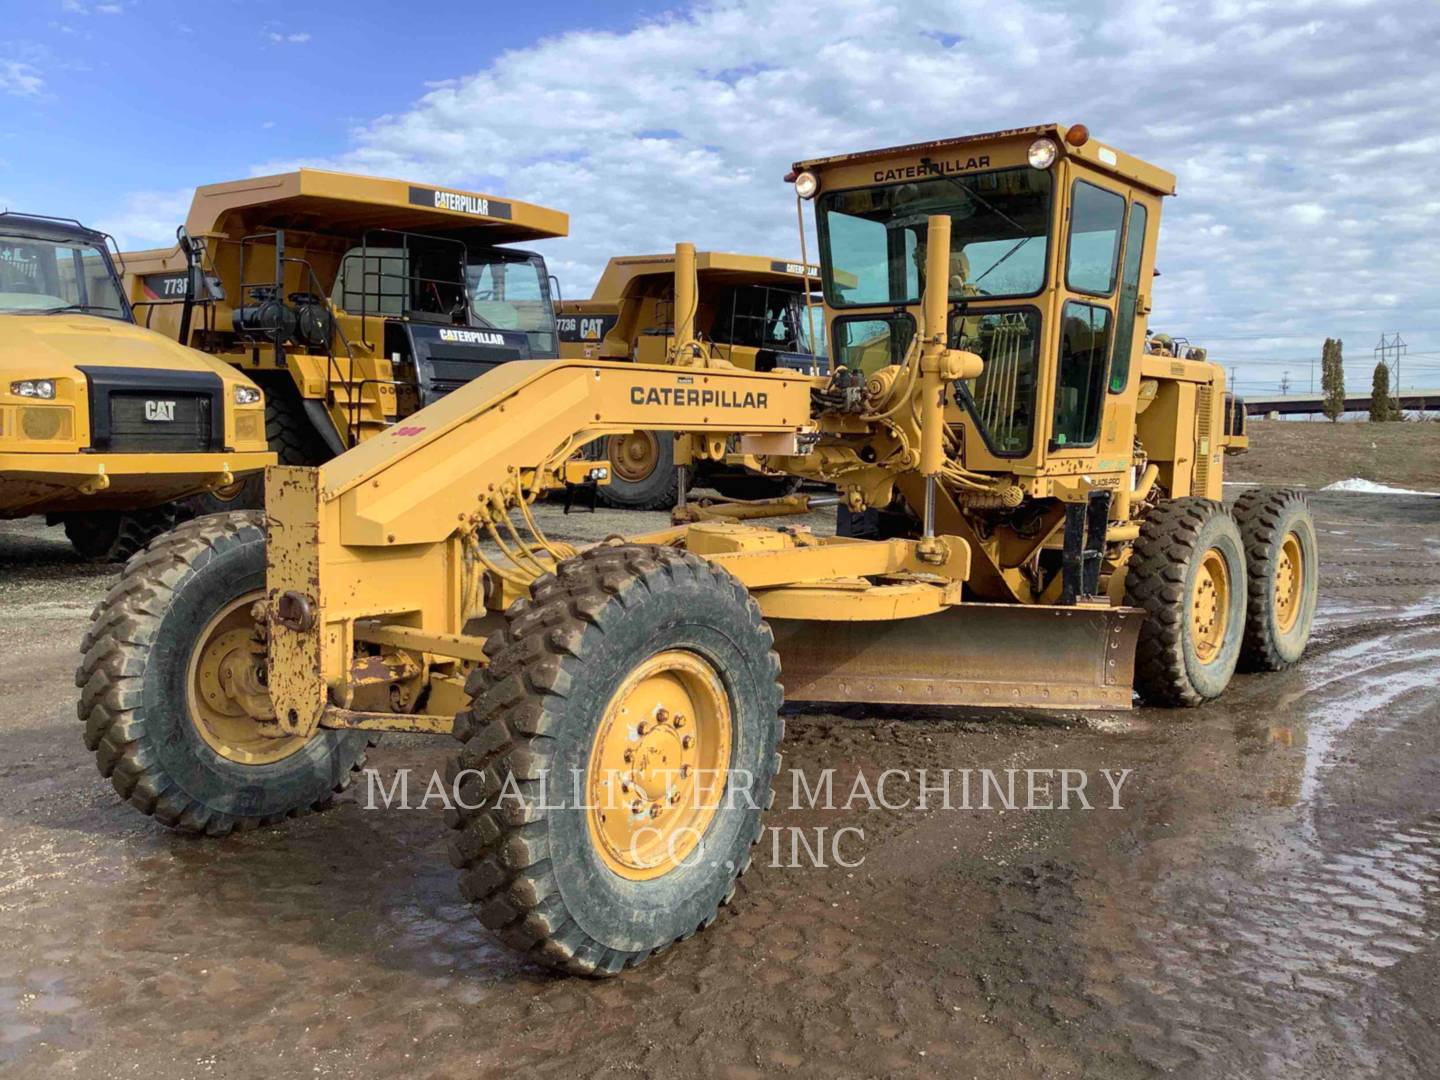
1020,656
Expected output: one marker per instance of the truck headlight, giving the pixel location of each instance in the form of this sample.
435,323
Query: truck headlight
34,388
246,395
1042,154
806,185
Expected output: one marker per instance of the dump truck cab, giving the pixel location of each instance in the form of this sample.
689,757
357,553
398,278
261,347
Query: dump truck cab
753,311
354,300
1051,257
102,420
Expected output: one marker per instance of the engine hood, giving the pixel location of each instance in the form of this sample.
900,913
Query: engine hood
53,346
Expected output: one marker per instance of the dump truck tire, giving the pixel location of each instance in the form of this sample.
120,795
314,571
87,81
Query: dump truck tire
288,429
604,640
1283,571
1188,572
145,660
112,536
749,486
642,470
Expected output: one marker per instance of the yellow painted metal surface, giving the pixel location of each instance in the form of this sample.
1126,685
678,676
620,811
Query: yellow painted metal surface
45,463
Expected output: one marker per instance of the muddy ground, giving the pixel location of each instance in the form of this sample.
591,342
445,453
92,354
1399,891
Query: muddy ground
1264,902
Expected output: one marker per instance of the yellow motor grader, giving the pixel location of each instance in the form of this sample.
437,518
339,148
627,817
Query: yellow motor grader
1031,518
750,310
353,300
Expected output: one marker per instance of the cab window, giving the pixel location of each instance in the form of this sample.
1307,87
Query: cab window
1080,381
1002,398
1129,298
869,344
1096,217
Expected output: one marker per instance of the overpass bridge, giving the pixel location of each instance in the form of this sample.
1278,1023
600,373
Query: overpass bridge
1410,399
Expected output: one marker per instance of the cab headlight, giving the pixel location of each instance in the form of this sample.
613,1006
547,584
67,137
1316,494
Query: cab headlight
1042,154
806,185
246,395
34,388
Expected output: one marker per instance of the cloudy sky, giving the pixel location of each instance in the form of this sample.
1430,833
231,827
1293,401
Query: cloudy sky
1303,133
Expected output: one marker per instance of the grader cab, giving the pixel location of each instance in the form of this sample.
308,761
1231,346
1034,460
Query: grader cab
355,301
1030,519
751,311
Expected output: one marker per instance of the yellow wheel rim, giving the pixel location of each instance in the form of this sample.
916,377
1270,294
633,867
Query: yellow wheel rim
225,689
1289,583
1210,606
658,764
634,456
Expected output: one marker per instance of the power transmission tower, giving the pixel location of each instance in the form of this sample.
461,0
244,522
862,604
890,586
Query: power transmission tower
1285,382
1389,352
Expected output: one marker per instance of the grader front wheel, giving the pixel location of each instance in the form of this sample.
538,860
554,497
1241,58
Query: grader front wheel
620,749
173,692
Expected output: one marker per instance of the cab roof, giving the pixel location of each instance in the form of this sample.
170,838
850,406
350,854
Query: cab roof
712,267
49,228
316,200
1092,152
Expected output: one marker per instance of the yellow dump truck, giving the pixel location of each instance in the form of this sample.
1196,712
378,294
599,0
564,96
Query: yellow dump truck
103,424
752,311
353,301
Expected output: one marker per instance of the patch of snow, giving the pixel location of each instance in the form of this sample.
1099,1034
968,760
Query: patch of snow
1369,487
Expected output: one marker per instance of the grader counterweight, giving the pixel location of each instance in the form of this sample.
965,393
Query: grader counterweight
1030,506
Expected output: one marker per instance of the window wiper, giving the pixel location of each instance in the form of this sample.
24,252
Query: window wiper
76,307
1002,258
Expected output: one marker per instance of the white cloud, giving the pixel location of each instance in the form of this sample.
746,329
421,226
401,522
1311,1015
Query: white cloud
78,7
20,78
147,218
1300,134
288,39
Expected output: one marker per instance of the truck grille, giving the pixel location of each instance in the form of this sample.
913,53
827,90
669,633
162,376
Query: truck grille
144,410
154,421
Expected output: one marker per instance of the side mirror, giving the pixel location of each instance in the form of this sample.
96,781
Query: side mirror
201,286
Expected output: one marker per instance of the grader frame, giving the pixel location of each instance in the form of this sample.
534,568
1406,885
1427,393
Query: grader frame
378,540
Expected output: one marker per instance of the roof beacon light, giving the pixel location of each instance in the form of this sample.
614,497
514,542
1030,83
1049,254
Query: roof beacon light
1042,154
1078,135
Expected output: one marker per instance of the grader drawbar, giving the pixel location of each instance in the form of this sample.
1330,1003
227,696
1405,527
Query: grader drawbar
1027,518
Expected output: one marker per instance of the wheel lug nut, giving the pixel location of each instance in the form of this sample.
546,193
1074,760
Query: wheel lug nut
662,716
679,720
641,728
674,797
655,810
624,788
629,755
688,741
684,772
